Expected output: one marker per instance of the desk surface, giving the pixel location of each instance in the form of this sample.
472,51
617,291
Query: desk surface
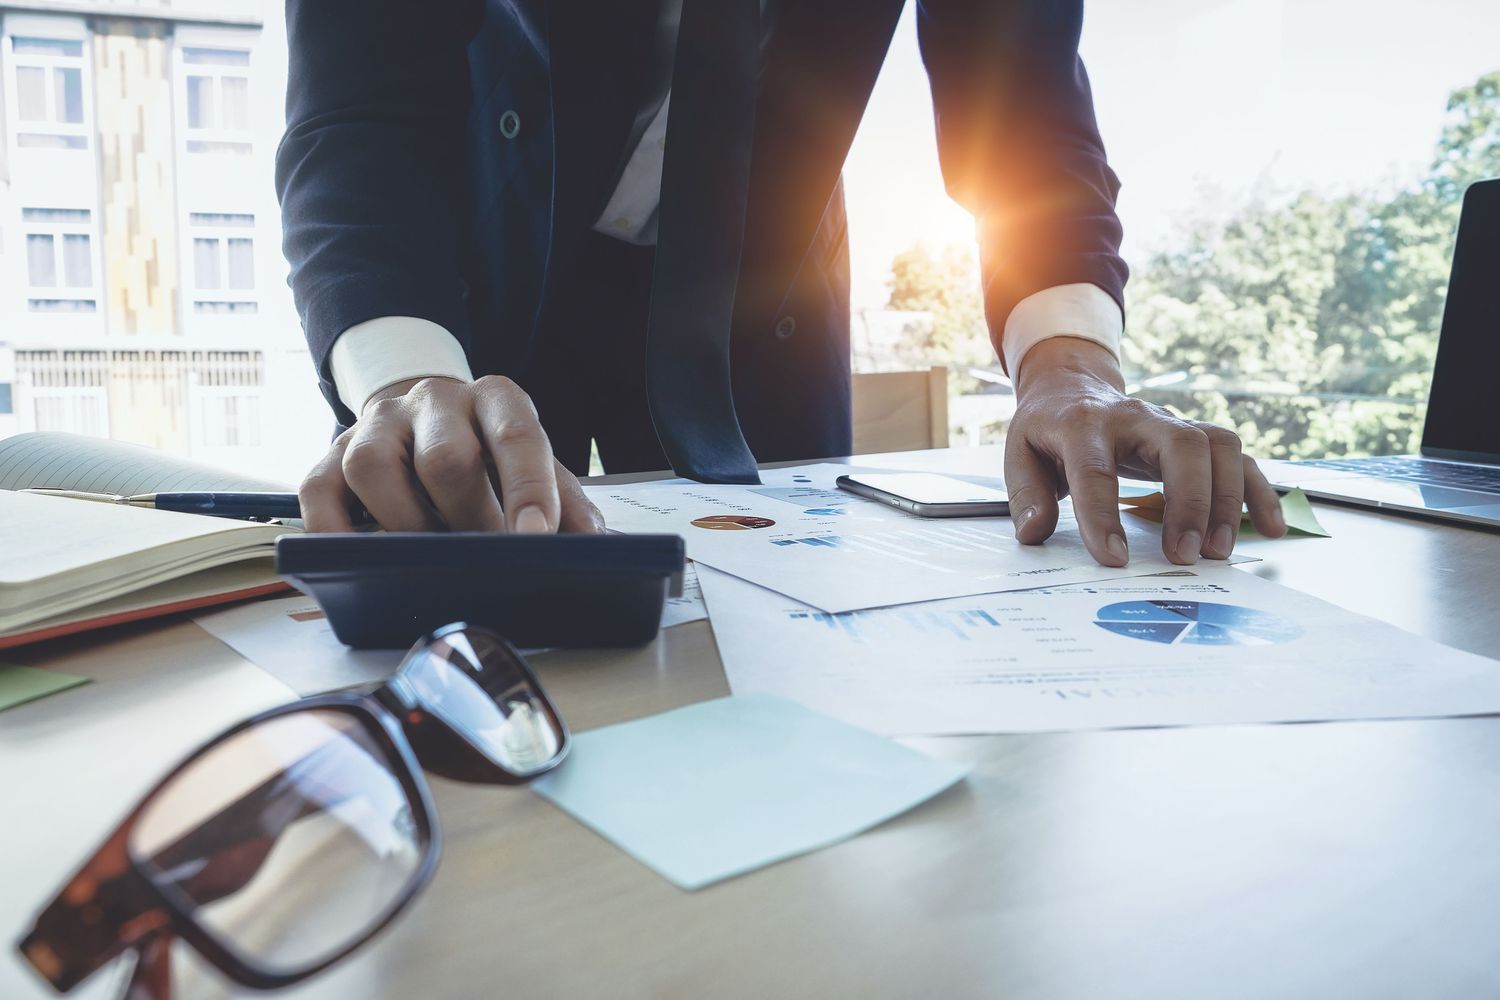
1346,859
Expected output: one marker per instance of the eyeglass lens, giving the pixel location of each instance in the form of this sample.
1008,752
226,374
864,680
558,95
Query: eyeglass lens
475,684
291,840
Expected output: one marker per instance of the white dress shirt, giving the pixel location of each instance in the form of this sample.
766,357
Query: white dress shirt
369,356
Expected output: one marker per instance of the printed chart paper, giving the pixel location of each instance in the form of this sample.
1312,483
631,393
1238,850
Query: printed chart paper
689,606
1214,646
290,639
799,534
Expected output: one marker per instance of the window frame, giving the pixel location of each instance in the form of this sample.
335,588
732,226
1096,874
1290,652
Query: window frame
212,425
221,233
59,230
78,136
216,139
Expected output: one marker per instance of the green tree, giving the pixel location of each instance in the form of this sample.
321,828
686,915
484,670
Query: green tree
1307,324
1310,326
1469,149
946,285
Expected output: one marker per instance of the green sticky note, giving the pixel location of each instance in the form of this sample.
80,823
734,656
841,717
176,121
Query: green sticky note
22,684
1296,510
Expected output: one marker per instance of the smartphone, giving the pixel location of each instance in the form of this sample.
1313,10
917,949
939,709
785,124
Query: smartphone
928,495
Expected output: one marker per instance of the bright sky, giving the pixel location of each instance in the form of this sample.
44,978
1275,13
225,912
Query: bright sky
1200,102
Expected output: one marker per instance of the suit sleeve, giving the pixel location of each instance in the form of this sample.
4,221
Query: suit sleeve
1020,147
372,173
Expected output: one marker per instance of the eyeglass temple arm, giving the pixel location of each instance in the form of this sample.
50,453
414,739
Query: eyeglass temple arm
65,947
151,979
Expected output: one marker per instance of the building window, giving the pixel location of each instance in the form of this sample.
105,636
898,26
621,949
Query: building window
60,260
223,263
216,96
64,391
49,86
224,399
226,418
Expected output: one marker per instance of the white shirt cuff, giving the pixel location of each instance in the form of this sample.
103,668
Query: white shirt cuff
1080,310
371,355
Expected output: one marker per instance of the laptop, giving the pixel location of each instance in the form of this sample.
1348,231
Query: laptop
1457,475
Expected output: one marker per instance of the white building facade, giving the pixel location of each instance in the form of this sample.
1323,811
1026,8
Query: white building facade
142,288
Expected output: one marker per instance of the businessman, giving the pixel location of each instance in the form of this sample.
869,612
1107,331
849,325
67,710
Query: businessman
519,227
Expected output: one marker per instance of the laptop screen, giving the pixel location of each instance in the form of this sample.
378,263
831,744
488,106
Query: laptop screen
1463,413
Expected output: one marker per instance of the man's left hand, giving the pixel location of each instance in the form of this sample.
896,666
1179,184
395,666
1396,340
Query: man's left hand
1075,432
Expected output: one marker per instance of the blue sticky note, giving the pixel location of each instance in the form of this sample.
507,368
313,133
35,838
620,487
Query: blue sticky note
723,787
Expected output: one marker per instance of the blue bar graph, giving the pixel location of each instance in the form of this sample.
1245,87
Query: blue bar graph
819,541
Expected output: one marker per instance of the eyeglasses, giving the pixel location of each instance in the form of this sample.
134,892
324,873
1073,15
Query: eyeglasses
287,842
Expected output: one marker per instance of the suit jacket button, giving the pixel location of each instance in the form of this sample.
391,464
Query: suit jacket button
785,327
510,124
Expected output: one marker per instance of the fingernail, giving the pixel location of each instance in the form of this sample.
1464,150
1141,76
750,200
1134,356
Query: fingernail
1024,518
1223,540
1189,546
531,521
1117,549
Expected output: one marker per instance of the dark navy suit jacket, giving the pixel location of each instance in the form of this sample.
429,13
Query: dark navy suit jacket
444,158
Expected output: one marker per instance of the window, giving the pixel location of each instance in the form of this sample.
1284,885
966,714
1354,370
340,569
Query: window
49,85
223,263
224,399
60,260
240,253
42,253
227,417
63,391
216,99
1296,298
1288,202
71,411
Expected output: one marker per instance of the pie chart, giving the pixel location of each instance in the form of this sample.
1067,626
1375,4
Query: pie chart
1196,623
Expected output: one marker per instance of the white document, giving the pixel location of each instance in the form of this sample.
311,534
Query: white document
799,534
1214,646
689,607
290,639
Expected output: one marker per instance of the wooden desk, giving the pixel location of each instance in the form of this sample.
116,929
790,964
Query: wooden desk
1342,860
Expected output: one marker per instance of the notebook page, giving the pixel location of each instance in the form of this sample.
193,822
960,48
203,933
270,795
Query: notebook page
74,462
42,537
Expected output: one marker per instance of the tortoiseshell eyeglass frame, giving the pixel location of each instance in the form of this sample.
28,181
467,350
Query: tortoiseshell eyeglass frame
111,905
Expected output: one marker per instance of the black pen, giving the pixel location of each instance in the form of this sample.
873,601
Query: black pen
248,506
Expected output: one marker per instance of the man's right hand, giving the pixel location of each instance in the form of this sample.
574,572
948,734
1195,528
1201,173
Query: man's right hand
436,453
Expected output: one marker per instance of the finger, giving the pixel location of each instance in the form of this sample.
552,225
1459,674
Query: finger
522,455
1031,483
449,460
324,496
1089,470
378,467
578,512
1183,455
1227,496
1264,502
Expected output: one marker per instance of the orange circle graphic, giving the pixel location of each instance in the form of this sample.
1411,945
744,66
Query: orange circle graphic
732,522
